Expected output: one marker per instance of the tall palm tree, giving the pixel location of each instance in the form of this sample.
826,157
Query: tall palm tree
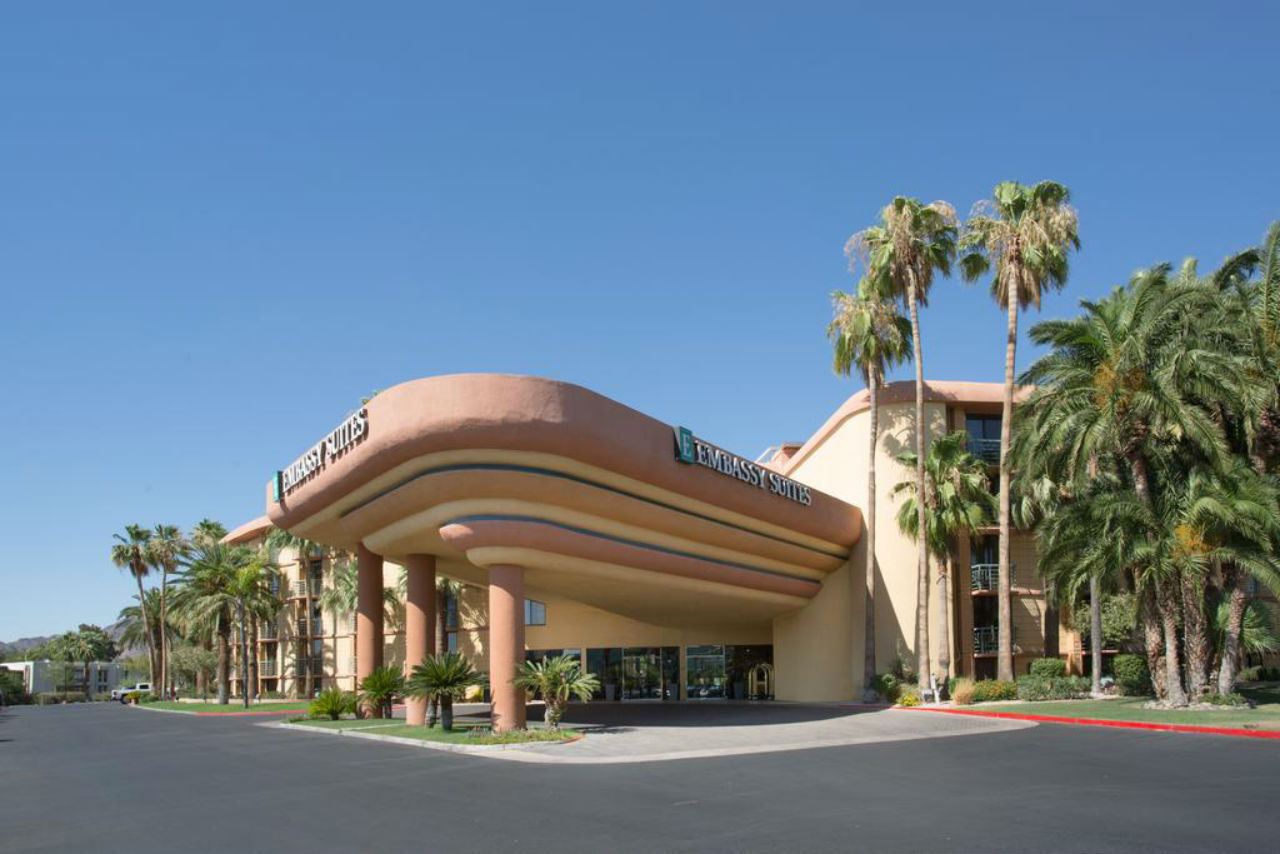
207,532
1125,385
911,243
255,600
166,547
130,552
1024,233
206,599
955,501
869,334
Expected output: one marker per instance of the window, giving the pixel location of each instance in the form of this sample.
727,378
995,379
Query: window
535,613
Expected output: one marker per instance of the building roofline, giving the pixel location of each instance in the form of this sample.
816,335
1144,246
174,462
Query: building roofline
902,391
250,530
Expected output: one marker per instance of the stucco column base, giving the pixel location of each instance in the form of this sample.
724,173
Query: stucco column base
506,646
369,610
419,625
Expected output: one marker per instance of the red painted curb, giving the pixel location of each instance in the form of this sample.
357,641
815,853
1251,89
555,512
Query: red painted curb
1053,719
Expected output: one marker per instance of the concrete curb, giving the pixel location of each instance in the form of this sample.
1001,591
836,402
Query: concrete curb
240,714
471,749
1141,725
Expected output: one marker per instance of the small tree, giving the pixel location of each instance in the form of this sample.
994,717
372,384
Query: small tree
556,681
380,689
444,677
333,703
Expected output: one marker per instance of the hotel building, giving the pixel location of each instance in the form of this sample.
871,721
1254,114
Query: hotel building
674,569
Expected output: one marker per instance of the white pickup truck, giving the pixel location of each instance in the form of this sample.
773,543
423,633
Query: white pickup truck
122,692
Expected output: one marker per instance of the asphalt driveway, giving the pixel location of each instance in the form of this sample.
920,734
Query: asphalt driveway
105,778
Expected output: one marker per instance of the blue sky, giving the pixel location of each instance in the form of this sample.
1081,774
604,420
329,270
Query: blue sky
220,227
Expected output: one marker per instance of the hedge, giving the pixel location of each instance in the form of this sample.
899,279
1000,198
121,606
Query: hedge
1050,668
988,690
1131,675
1053,688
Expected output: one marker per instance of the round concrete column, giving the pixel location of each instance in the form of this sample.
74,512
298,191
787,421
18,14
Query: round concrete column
419,624
506,645
368,614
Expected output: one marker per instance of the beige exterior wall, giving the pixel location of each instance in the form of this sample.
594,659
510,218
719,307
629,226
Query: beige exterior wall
839,467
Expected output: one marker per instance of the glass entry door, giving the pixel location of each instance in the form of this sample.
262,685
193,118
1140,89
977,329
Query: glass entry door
641,674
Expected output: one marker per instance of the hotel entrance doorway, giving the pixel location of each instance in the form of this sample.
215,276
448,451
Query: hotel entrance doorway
636,673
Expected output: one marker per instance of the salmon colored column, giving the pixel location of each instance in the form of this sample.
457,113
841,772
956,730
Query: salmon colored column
368,616
506,645
419,624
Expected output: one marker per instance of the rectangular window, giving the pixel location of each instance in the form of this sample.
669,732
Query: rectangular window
535,613
705,672
451,613
451,641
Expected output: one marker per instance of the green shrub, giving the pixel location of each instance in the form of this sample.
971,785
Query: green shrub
149,698
887,686
1250,674
333,703
989,690
1050,668
1053,688
270,695
1131,675
1225,700
49,698
908,695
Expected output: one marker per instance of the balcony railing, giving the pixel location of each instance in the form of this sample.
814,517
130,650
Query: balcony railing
986,640
311,628
269,632
268,668
987,450
985,577
301,665
310,587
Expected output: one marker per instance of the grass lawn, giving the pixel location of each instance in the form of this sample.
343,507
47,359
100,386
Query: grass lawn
1265,716
461,733
275,706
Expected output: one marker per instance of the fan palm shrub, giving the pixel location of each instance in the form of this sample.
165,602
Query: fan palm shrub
556,681
333,703
443,677
380,689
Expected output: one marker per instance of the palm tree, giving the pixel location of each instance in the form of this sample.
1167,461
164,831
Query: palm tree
1125,385
207,532
135,629
1025,234
380,689
130,552
956,500
444,677
556,680
166,547
912,242
255,601
207,598
872,336
303,549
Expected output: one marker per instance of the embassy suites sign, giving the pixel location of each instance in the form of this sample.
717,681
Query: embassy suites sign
347,434
690,449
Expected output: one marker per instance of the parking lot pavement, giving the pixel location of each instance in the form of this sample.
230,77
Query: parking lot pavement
108,779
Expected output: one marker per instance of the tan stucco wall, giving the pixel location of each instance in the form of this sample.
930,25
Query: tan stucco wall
838,466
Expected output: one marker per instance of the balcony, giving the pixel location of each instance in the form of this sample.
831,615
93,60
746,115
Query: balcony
304,589
986,640
987,450
302,665
269,632
985,577
312,628
268,668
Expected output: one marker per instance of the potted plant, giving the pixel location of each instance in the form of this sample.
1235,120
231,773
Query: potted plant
445,677
555,681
